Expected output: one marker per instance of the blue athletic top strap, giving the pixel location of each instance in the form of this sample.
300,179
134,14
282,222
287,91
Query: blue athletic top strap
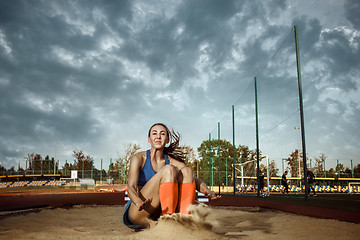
148,172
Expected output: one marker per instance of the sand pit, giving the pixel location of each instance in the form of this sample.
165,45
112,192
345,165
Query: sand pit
104,222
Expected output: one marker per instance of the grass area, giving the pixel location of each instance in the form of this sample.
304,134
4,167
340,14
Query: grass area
341,201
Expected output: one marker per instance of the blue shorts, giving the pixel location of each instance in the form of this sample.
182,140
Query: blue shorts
126,219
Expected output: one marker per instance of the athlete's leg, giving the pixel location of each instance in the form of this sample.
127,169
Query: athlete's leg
313,188
151,189
187,189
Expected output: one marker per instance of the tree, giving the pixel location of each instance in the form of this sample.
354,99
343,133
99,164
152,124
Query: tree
2,170
30,158
319,165
340,168
35,162
210,158
331,172
247,155
348,172
295,162
357,170
273,171
49,165
122,162
190,159
82,162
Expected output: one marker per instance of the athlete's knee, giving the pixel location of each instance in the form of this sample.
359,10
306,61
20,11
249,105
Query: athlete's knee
187,174
187,171
169,173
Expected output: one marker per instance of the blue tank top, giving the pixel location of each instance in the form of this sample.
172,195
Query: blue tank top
148,172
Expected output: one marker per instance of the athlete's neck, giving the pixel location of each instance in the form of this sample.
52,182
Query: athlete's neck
157,154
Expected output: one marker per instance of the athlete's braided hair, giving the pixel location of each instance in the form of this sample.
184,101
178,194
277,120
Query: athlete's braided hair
173,149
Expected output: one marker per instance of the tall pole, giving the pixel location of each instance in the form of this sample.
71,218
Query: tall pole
324,171
267,175
109,174
233,128
55,161
352,169
92,168
257,141
338,170
210,164
203,161
101,162
298,165
301,112
219,153
197,168
337,166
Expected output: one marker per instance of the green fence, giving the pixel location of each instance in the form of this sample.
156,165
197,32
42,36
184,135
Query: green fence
265,117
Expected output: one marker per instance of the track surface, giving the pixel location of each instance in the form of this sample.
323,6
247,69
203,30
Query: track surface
30,199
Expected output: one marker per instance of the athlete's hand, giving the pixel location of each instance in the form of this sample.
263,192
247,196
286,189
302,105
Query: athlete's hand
141,205
211,195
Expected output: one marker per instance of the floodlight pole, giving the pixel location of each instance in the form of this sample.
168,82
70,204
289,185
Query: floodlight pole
302,128
203,160
257,140
234,156
219,154
210,163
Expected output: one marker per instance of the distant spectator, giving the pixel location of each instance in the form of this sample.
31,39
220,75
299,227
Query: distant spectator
261,183
284,183
311,181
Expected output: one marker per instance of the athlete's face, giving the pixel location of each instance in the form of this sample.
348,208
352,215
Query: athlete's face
158,137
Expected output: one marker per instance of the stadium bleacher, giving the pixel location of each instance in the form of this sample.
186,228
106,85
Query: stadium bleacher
296,189
32,183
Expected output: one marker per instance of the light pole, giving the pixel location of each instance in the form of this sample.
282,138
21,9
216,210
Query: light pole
297,157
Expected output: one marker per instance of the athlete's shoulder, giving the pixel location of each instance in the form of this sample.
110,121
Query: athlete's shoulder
139,156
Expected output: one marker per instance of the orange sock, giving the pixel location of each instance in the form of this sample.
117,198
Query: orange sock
168,193
186,196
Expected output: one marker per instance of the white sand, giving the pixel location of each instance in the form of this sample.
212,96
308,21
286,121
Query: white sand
105,222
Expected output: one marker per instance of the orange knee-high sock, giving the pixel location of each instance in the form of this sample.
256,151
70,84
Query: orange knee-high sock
186,196
168,193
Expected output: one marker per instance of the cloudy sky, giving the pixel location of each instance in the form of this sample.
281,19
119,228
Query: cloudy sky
95,75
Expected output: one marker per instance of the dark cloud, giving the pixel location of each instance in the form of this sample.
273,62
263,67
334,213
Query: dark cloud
341,58
352,12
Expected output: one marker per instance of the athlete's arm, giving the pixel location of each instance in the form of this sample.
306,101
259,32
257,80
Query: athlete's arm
203,188
136,163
